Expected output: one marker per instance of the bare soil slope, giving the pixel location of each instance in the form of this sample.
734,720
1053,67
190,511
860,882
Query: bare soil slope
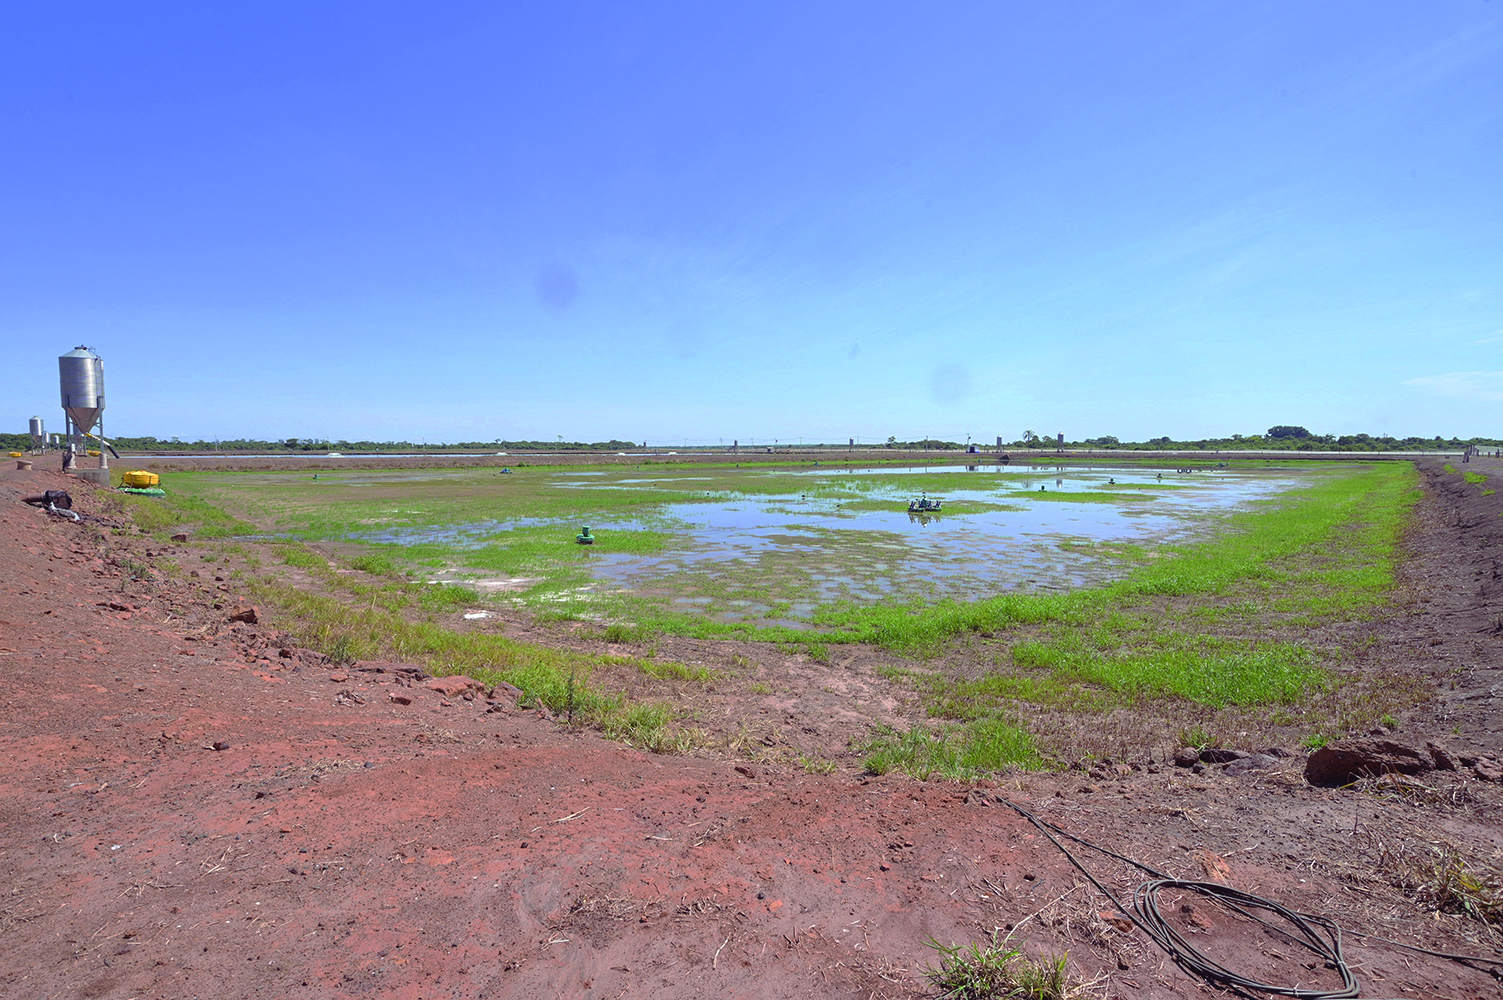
188,812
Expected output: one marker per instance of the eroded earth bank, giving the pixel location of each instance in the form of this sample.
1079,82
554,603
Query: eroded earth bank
199,807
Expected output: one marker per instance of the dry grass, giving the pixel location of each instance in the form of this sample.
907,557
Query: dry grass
1440,877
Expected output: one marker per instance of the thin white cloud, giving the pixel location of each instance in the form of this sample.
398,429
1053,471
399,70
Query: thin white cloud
1462,385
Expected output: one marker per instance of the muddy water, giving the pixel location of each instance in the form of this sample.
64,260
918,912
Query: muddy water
1039,543
849,536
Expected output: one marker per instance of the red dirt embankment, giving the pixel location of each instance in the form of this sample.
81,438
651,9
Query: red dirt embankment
189,813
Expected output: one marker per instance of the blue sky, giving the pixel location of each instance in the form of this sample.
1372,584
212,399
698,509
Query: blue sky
756,220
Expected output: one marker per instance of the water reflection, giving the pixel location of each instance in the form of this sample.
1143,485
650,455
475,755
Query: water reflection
850,536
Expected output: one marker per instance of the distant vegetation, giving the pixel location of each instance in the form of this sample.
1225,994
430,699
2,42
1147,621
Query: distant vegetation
1283,437
16,442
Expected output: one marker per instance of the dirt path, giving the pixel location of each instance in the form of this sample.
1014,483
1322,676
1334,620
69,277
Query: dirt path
186,812
1452,624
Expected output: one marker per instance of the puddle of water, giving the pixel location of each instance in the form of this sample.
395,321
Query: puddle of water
460,536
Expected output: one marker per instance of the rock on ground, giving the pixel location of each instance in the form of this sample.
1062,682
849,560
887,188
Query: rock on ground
1344,761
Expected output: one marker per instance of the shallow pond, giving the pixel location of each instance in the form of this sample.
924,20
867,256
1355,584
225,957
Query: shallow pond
756,548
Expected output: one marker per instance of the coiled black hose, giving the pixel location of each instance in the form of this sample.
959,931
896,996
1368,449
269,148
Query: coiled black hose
1318,934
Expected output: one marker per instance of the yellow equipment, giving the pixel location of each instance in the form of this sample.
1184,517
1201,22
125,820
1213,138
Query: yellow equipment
15,454
141,480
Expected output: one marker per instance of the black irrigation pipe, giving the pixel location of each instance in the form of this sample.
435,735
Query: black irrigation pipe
1317,934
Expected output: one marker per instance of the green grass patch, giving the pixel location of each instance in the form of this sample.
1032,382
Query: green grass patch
447,597
997,972
183,512
673,670
346,502
1197,737
621,632
375,564
296,555
816,764
560,679
546,553
1197,670
649,726
957,752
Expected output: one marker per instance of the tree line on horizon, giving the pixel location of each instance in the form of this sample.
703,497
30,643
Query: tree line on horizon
296,445
1288,437
1285,437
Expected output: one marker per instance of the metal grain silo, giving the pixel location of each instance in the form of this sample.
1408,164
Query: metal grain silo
38,433
82,377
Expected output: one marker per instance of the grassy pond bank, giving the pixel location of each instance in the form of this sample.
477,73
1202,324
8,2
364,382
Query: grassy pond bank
1042,607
